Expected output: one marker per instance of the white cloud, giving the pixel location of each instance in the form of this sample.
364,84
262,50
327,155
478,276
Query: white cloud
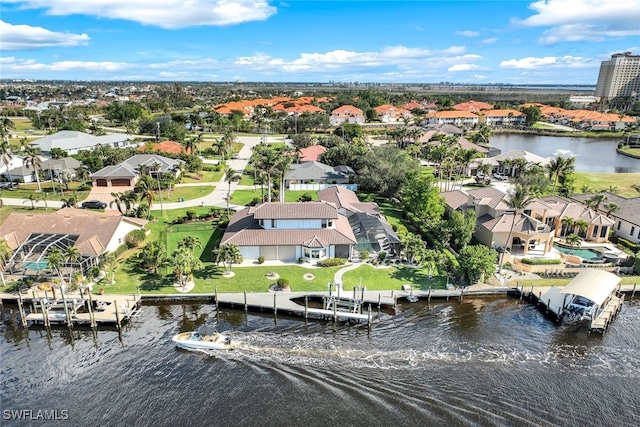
549,62
584,20
399,57
22,37
168,14
24,65
490,40
467,33
464,67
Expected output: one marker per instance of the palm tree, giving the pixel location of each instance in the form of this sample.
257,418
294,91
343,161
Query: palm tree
595,201
72,255
70,201
117,200
573,240
230,175
518,201
83,174
31,198
586,189
152,256
228,140
7,155
190,242
191,143
227,254
129,198
611,207
32,160
44,197
582,227
567,222
558,167
184,264
636,187
144,187
55,260
5,254
6,125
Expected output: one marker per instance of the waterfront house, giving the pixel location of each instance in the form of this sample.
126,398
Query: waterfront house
94,234
627,218
370,228
473,106
506,117
388,113
287,232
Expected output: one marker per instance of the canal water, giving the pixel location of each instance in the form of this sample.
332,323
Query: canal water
592,154
483,361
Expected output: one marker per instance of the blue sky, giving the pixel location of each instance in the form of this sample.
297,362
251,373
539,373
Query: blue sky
472,41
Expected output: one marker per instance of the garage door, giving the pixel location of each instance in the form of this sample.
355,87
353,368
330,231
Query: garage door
268,252
101,182
287,253
120,183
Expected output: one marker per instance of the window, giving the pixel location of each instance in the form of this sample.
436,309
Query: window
603,231
273,223
619,222
595,231
633,230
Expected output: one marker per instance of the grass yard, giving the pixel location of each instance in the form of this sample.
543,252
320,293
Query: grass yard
293,196
632,151
603,181
205,176
24,190
209,240
392,278
188,193
242,197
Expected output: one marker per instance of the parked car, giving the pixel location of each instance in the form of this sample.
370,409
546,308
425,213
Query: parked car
94,204
500,176
235,156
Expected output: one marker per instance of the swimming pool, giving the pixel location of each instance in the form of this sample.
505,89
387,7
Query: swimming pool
584,253
36,265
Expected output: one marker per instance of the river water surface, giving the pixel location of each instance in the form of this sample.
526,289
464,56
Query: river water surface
485,361
592,154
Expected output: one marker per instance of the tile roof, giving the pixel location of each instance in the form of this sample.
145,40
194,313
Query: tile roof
244,230
473,106
455,199
449,114
347,110
347,199
311,153
296,210
629,207
313,171
171,147
488,196
95,229
523,224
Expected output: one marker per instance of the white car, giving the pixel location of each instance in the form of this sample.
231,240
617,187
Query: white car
500,176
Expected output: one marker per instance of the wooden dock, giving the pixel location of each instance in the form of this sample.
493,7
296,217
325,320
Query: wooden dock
44,308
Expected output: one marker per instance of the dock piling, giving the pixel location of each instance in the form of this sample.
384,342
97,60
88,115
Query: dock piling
115,304
306,307
369,318
67,317
246,307
633,293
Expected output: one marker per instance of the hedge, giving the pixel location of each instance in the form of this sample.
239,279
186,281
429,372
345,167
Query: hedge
540,261
332,262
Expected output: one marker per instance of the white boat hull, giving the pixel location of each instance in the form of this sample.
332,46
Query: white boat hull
196,341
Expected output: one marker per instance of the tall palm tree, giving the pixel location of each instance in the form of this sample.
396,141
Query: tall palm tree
230,175
567,222
582,227
184,264
31,198
144,188
72,255
595,201
117,200
558,167
33,160
636,187
7,155
129,199
44,197
611,207
228,140
191,143
227,254
5,254
573,240
6,126
55,260
518,201
190,242
71,201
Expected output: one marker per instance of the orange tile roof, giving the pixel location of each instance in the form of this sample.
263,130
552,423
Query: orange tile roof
349,110
501,113
473,106
311,153
388,108
449,114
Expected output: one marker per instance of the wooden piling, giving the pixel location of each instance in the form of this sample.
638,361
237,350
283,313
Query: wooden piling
306,307
45,317
633,293
115,304
335,310
215,296
461,293
67,317
246,307
429,295
23,316
275,305
369,318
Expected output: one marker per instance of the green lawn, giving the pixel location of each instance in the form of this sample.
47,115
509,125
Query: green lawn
188,193
24,190
242,197
205,176
392,278
633,151
603,181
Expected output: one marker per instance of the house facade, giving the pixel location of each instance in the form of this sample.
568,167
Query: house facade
346,114
388,113
288,232
627,218
502,117
127,173
463,119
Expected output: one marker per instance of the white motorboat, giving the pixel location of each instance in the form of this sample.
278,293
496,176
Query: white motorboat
197,341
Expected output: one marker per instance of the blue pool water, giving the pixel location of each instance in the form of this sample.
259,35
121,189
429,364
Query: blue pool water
584,253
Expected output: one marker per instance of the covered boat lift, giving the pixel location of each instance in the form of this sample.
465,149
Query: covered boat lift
592,295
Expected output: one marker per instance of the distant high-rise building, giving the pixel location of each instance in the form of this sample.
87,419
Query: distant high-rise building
620,76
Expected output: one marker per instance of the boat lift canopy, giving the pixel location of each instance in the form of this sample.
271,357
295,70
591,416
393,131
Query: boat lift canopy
595,285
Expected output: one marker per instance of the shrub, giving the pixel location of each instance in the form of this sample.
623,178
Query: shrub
364,255
282,283
260,260
332,262
540,261
382,255
306,197
134,238
191,215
